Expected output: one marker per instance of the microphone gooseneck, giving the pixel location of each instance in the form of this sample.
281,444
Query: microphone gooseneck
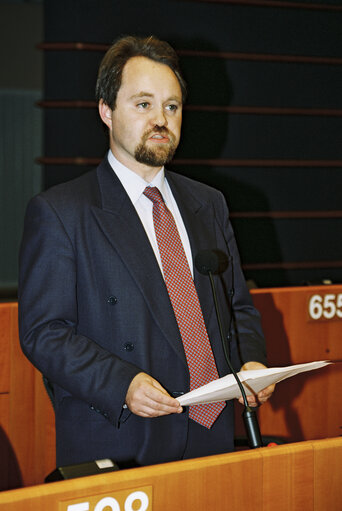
209,262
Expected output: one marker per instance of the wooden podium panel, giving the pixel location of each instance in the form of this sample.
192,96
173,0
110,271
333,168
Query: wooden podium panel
6,326
27,436
292,335
295,477
306,406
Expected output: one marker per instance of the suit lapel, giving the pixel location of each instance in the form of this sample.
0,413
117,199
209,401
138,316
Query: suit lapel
119,221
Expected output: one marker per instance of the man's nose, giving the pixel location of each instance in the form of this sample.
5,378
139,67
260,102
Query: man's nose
158,117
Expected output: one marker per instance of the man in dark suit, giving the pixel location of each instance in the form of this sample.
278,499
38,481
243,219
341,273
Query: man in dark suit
97,313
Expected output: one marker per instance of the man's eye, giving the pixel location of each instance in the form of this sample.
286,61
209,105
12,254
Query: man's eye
143,105
172,108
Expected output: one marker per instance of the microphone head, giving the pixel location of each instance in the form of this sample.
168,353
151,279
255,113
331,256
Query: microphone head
211,261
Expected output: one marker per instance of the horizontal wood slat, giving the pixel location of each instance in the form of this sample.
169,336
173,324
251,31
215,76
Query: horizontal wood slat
287,214
265,110
72,103
80,160
249,110
264,57
74,46
60,160
296,265
257,163
276,4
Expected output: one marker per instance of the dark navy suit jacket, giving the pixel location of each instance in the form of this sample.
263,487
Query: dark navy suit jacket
94,311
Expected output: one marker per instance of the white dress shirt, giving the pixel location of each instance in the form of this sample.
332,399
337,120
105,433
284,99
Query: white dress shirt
135,186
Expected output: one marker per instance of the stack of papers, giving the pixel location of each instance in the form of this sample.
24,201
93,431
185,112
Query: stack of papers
226,388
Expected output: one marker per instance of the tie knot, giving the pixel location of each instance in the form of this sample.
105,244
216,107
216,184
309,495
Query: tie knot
153,194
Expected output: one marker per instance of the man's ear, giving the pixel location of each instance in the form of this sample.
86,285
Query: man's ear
105,113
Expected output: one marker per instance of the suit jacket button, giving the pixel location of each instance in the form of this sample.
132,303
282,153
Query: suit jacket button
128,346
112,300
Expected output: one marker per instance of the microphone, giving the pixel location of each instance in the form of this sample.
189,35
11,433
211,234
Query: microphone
209,262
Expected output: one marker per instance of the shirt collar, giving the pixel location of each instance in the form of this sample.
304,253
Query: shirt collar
132,182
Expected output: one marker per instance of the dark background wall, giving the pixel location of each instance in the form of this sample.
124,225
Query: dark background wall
262,122
21,82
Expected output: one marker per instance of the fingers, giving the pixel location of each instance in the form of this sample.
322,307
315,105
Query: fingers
147,398
260,398
263,395
251,366
252,401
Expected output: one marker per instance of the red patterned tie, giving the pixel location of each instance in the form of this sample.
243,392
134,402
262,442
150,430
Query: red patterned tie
186,306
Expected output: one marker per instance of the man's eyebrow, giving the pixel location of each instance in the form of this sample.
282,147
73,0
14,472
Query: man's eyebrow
142,94
175,98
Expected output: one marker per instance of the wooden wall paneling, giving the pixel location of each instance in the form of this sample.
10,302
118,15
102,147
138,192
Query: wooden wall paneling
5,329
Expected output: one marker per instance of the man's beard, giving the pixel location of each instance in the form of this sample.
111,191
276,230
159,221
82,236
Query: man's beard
158,155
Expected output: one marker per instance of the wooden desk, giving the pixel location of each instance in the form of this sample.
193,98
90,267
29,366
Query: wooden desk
303,408
305,477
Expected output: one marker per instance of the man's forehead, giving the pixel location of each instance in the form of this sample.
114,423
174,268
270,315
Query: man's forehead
141,63
140,71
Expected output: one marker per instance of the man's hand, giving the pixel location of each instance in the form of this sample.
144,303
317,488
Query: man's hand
147,398
264,394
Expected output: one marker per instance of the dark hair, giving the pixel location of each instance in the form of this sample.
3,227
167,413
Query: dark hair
110,71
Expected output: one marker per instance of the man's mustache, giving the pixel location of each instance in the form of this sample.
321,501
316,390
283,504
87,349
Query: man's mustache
161,130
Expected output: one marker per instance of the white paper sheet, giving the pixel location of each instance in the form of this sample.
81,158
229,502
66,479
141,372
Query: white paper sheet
226,388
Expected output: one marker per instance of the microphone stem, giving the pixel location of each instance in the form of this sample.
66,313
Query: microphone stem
224,343
249,415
